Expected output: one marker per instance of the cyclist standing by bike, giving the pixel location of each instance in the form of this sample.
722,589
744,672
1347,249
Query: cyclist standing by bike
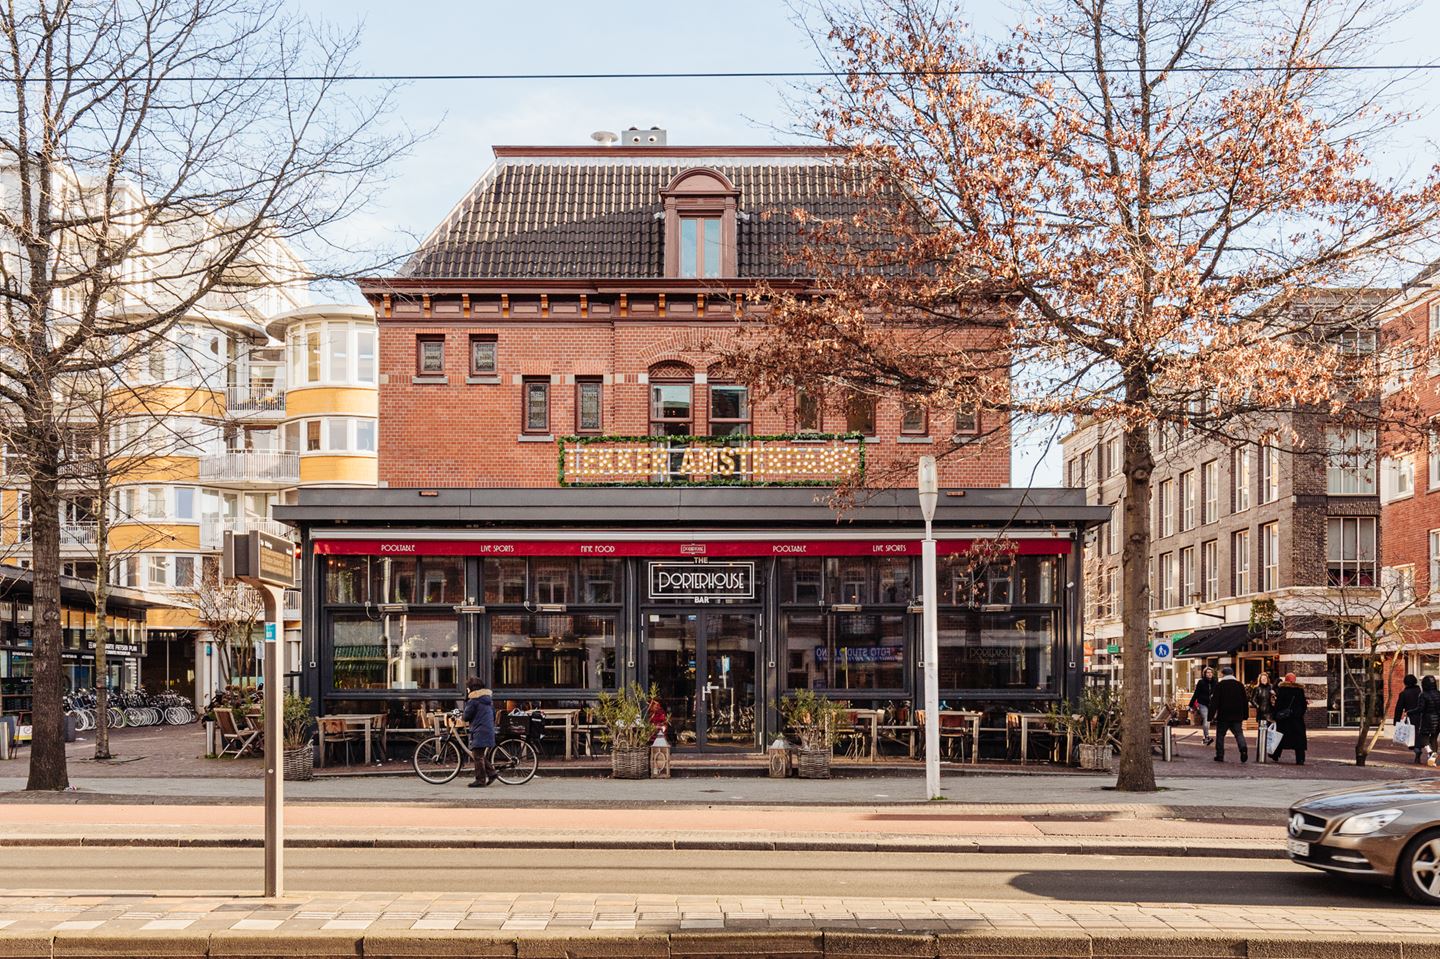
480,714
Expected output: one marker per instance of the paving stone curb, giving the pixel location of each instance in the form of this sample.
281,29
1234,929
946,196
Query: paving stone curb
1248,849
703,945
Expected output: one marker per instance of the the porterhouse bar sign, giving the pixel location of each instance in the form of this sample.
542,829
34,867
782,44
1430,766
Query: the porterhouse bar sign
803,460
702,580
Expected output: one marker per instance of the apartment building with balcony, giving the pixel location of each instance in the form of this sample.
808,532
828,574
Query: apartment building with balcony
203,437
1263,554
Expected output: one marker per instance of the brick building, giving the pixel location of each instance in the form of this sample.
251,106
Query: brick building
1411,489
578,498
1261,551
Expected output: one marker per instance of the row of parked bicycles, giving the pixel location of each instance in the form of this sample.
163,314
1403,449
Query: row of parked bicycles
132,707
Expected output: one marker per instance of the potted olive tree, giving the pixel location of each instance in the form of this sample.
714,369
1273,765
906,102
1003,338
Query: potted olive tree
295,723
1094,722
813,720
625,721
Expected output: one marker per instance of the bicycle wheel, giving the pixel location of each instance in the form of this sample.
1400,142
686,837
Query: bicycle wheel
437,760
117,717
515,762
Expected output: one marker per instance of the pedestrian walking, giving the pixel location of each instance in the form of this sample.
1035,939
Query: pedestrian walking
1407,708
1290,706
1229,708
1200,702
1263,699
1429,725
480,714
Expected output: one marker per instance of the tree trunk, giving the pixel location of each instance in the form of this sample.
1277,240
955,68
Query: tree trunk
1137,770
47,747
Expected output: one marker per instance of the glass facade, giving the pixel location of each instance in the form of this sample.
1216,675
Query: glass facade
558,630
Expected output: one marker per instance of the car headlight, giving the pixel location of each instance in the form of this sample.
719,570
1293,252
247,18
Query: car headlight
1367,823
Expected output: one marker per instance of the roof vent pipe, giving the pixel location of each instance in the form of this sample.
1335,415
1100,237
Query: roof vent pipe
604,137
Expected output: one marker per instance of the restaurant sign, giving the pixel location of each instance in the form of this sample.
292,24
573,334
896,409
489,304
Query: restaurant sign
811,459
702,582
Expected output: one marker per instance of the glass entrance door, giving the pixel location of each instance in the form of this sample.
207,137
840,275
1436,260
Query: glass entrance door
705,666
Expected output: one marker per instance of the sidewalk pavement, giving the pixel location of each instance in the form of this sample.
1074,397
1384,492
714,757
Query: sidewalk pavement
40,926
1028,829
1181,796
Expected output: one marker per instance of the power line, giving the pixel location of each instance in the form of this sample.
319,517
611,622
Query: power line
770,74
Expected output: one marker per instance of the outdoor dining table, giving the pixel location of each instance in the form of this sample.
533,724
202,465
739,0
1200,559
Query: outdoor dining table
569,719
970,718
1024,721
363,721
871,717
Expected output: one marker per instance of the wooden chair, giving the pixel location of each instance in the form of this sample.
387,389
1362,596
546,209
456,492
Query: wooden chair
1159,729
954,731
339,733
234,741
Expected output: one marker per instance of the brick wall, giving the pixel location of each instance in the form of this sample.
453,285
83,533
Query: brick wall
467,431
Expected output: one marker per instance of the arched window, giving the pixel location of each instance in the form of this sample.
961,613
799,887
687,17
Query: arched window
700,208
672,399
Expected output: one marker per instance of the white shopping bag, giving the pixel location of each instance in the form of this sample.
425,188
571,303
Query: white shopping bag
1405,734
1273,738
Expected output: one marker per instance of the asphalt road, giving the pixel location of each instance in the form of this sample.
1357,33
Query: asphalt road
1170,880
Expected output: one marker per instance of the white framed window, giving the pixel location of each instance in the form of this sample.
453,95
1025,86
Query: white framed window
1240,563
22,515
1210,491
331,435
1434,583
1399,369
1269,472
1349,462
1113,577
1350,550
1187,576
1209,571
1433,460
1240,477
1167,507
1116,459
1168,594
171,570
1269,557
164,504
1112,529
1397,478
1435,338
1187,500
331,352
1398,583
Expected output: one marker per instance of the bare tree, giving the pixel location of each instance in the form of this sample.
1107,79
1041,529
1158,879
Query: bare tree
155,151
1111,214
230,611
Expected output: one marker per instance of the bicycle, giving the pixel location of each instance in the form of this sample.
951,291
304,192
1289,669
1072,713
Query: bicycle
440,758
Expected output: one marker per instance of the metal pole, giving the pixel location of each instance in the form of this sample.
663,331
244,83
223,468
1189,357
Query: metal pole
932,667
274,746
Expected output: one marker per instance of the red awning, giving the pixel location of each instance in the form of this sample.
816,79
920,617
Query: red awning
601,546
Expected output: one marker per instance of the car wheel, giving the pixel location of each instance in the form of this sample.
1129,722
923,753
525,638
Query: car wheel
1419,868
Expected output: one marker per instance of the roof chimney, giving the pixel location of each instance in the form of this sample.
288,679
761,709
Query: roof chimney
636,137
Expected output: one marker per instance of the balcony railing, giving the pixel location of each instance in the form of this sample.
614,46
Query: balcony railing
255,399
78,534
291,606
213,527
261,467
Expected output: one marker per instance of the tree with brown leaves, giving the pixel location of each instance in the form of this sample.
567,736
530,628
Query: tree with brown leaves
1117,213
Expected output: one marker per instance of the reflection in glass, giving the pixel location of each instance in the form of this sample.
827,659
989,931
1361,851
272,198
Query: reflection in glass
504,580
844,651
553,652
997,651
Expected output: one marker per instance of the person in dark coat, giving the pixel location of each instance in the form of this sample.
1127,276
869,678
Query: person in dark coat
1290,706
1263,698
479,713
1229,708
1429,725
1200,702
1407,706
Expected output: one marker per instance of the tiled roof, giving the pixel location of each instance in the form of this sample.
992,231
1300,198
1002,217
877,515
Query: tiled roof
580,217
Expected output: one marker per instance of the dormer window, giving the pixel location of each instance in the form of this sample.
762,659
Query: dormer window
700,246
700,217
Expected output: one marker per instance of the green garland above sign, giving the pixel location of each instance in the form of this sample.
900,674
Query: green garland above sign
803,459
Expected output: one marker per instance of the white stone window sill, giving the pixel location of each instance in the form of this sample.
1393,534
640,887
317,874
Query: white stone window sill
535,438
488,379
915,439
430,380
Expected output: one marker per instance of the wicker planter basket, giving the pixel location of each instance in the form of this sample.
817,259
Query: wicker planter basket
300,764
814,764
630,763
1094,757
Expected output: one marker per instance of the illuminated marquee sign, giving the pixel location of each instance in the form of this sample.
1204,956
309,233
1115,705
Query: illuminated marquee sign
809,460
702,581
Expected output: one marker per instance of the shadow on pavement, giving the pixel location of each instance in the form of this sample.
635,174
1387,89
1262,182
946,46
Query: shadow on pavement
1209,886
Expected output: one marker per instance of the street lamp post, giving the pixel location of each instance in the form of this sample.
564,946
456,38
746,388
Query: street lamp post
929,487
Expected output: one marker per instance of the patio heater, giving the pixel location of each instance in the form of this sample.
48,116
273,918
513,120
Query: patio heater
928,484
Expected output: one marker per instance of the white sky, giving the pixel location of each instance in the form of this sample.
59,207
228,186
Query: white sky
585,36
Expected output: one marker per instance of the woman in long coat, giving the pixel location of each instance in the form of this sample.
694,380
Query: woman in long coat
479,713
1289,717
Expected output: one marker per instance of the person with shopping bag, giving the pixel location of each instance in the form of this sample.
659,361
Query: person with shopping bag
1290,707
1407,712
1263,699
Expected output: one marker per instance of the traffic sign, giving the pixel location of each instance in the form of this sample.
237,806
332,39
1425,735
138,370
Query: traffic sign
1112,649
1163,650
